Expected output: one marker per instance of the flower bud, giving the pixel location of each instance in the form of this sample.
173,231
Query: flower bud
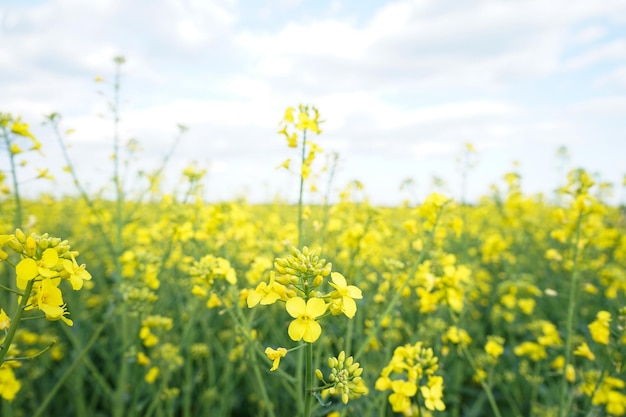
318,281
30,246
15,245
21,237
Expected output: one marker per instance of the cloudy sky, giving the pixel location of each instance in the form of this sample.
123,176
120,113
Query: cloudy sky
402,86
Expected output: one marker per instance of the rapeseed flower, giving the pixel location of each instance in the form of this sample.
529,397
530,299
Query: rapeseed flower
77,273
275,355
433,393
48,298
600,328
266,294
343,296
5,321
9,385
584,351
305,326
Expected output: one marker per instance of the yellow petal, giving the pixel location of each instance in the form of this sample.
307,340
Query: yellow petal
253,298
50,258
315,307
349,307
339,279
313,330
25,270
354,292
296,307
297,328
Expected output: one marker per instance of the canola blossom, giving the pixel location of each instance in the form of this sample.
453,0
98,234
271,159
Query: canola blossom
305,314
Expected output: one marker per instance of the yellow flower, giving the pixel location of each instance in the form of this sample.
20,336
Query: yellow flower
5,321
345,294
600,330
289,115
402,390
584,351
433,393
142,359
304,326
28,269
267,294
457,336
44,173
535,351
152,375
285,164
49,299
21,129
77,273
275,355
9,385
493,347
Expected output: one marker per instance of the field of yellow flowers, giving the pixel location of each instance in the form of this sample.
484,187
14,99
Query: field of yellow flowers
157,304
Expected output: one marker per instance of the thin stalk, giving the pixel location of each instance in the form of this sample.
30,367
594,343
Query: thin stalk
17,220
308,378
300,206
15,322
118,403
571,309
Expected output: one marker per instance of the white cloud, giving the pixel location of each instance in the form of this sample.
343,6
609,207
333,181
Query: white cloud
612,51
589,34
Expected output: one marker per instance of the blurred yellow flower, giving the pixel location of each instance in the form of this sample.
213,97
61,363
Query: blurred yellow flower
600,330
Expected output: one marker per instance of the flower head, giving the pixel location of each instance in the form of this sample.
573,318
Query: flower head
76,273
344,295
275,355
305,326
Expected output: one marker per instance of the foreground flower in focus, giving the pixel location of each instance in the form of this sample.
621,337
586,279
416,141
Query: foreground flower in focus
305,326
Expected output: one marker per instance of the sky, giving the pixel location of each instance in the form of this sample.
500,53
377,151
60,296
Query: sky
402,87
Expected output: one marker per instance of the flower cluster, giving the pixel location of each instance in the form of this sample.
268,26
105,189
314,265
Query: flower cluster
306,120
411,370
302,274
209,276
45,262
344,379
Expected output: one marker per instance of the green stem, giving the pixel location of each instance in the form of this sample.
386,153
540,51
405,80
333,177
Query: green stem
15,322
300,206
118,409
308,378
571,309
16,189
